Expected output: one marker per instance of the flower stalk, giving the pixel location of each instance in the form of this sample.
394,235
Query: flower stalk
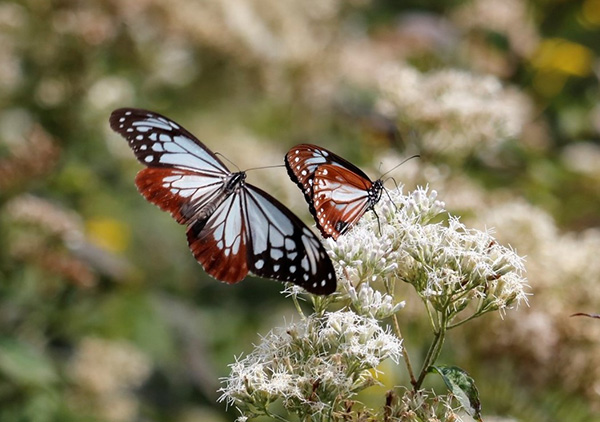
432,355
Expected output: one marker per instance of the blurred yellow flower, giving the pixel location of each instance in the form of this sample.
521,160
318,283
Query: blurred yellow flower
107,233
549,83
560,55
590,11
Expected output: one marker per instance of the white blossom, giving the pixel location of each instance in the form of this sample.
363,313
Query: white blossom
447,263
321,356
370,302
453,111
512,18
104,375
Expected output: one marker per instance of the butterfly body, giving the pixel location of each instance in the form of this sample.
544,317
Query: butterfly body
233,228
231,186
338,193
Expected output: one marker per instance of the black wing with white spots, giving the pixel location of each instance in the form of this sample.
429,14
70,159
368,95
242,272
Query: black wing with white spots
283,247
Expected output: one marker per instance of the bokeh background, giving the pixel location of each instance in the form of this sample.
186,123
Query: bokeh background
104,313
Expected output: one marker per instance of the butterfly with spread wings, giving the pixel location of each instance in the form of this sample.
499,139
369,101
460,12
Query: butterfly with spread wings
233,228
337,192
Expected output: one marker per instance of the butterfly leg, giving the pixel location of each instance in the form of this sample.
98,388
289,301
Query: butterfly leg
378,222
388,194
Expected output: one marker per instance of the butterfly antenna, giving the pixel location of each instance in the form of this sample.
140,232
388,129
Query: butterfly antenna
395,167
228,160
266,167
395,183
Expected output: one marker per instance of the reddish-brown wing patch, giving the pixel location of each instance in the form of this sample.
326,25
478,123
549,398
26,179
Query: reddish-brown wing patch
183,193
340,199
230,268
219,242
154,184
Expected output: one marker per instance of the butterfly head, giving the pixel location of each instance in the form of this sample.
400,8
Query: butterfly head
374,193
235,181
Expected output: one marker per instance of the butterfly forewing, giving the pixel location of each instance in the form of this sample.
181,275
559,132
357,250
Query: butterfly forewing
159,142
233,227
337,192
302,161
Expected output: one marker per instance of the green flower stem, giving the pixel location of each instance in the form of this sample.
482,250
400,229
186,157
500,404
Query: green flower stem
275,416
297,305
434,351
434,325
459,323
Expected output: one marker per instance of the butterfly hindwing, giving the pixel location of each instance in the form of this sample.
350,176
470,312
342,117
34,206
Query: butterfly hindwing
283,248
219,242
183,193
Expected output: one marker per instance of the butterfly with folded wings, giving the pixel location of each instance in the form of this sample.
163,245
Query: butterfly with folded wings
337,192
233,227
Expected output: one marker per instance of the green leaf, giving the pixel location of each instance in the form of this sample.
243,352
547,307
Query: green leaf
462,386
24,365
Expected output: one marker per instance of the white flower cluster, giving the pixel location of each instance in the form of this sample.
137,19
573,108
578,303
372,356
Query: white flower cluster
453,111
311,363
47,217
109,367
368,255
448,264
512,18
582,157
463,264
106,374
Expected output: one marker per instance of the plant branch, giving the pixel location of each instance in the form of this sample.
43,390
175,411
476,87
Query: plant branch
434,325
405,356
409,368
